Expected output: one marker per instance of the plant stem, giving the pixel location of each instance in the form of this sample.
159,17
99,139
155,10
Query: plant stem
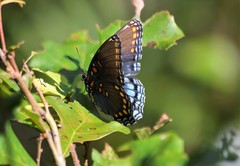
87,145
4,48
73,152
54,143
12,68
39,149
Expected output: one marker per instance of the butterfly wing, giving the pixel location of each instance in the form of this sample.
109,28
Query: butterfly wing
110,81
131,37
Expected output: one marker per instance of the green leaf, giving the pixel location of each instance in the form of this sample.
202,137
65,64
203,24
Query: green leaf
55,83
102,160
110,30
145,132
79,125
161,31
12,152
7,85
162,149
54,57
24,114
3,150
109,152
107,155
169,151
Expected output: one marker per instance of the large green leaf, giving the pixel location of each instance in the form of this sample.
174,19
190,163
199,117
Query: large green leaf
79,125
12,152
163,149
24,114
54,56
161,31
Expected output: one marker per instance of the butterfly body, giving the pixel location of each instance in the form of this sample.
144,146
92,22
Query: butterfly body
109,80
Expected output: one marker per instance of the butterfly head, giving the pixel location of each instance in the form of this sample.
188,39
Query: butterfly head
86,81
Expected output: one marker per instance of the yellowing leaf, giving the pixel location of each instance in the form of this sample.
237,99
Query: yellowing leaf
79,125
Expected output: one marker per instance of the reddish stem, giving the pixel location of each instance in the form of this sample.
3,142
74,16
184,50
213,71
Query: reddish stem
4,48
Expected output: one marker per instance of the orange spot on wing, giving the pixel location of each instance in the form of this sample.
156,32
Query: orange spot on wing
134,35
133,42
134,29
125,112
117,51
116,87
92,84
99,63
132,50
106,93
121,94
94,69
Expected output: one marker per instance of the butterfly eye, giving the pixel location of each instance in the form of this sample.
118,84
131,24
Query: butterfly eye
110,78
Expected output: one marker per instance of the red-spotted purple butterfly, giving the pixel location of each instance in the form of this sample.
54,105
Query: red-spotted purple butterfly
110,80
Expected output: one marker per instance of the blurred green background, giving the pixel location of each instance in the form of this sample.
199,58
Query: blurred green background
195,82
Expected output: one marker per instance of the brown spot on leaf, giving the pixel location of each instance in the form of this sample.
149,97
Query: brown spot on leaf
92,128
64,137
151,44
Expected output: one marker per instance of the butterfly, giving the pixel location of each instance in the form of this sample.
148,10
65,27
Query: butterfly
110,80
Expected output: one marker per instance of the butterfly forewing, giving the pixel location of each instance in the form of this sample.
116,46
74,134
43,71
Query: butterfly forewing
110,81
131,34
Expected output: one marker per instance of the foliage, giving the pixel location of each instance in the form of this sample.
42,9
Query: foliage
78,125
12,151
160,31
162,149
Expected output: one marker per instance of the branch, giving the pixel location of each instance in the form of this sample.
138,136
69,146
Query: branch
86,144
39,149
1,30
12,68
73,152
139,5
49,119
53,139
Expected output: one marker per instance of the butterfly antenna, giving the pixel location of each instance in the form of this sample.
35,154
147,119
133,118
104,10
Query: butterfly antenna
77,52
75,61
